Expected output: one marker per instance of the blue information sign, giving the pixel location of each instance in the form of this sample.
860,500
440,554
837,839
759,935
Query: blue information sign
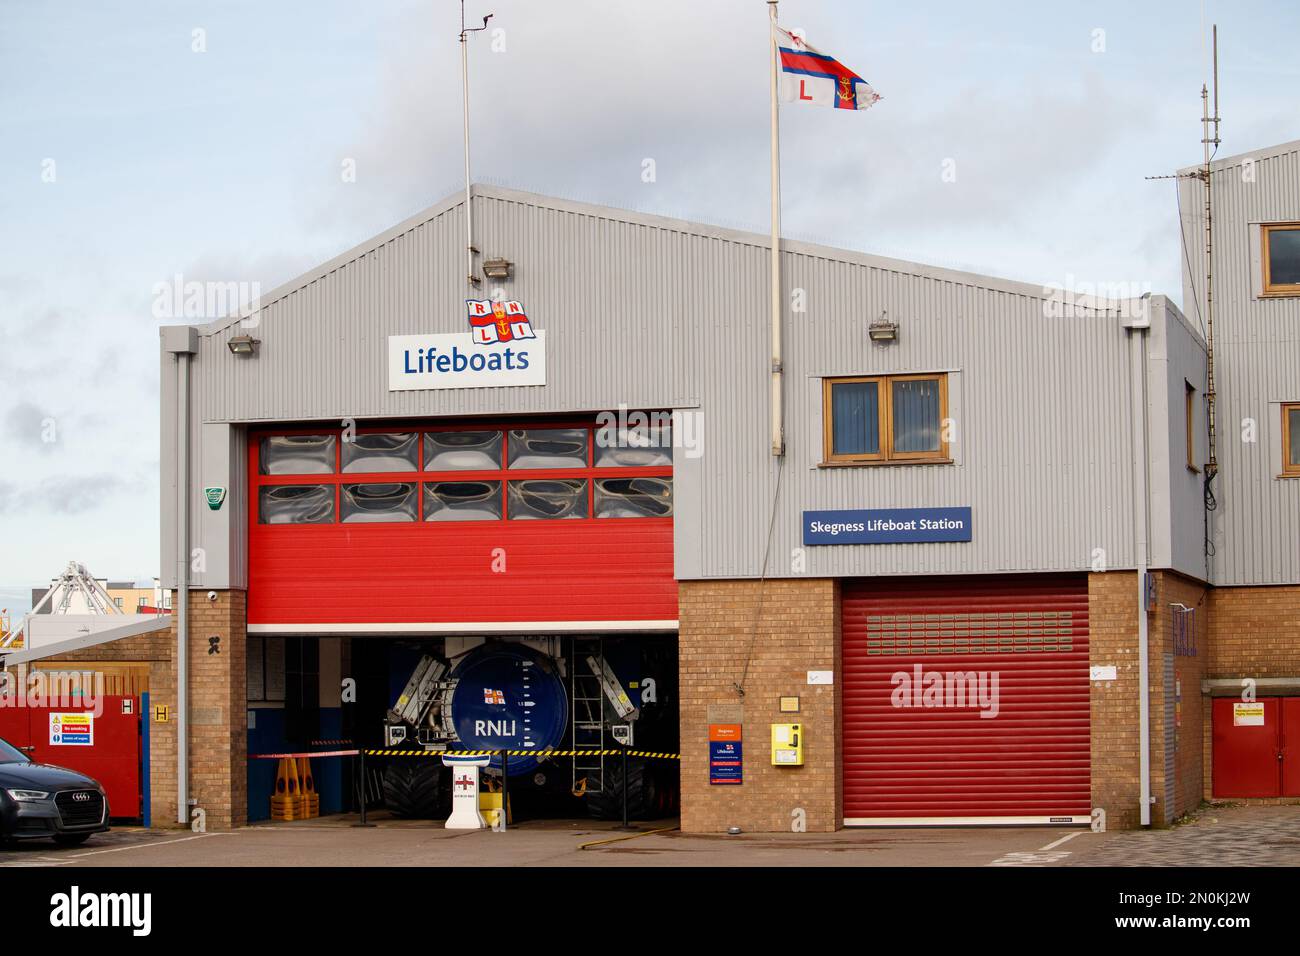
725,762
887,526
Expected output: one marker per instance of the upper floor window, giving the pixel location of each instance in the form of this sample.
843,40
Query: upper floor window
1291,440
885,418
1280,251
1189,397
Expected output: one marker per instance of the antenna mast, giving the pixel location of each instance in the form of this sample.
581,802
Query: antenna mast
1209,139
470,277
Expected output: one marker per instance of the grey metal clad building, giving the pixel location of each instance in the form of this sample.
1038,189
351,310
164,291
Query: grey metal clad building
655,313
983,479
1257,347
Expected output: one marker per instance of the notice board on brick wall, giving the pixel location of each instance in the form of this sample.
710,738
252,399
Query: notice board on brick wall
726,761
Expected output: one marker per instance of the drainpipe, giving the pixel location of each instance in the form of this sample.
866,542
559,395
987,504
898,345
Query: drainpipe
1141,494
183,342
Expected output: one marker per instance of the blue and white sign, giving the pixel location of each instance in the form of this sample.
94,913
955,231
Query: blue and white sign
456,360
887,526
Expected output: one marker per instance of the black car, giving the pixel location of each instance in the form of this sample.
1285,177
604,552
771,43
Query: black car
39,800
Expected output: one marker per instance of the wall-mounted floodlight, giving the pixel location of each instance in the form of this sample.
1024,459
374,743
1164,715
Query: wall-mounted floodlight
243,345
497,268
883,331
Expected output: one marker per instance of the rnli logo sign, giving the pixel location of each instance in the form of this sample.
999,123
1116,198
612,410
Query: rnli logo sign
493,322
501,349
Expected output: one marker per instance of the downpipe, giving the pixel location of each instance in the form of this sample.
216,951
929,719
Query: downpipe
182,586
1141,504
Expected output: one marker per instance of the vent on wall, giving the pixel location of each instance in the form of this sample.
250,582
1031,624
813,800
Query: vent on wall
975,632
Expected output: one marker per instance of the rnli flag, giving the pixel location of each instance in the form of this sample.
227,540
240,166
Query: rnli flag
810,76
492,322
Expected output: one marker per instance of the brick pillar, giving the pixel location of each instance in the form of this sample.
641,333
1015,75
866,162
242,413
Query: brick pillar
162,734
1113,641
1181,736
797,630
218,715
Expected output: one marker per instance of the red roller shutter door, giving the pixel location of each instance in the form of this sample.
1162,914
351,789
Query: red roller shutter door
923,754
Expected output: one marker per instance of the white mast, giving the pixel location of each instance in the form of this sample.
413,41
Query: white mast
778,427
470,277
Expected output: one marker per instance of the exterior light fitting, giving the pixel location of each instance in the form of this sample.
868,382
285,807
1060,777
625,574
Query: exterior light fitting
497,268
243,345
883,331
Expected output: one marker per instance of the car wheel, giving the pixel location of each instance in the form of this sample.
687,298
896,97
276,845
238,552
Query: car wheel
71,839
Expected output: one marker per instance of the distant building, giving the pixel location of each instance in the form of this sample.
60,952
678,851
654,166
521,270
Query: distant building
128,597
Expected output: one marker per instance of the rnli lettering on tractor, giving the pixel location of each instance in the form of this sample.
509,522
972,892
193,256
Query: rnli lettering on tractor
501,349
497,728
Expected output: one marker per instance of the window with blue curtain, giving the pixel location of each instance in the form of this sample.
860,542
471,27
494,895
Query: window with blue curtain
885,418
916,415
855,418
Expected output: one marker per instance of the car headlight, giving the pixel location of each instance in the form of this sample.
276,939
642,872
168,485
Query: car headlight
28,795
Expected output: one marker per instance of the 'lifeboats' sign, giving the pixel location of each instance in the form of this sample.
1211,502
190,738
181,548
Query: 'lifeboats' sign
457,360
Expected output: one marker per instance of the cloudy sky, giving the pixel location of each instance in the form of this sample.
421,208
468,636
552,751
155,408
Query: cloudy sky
209,139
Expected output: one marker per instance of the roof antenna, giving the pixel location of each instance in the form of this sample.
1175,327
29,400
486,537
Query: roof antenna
471,278
1209,138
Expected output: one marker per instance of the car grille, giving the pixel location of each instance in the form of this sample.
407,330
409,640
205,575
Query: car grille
79,808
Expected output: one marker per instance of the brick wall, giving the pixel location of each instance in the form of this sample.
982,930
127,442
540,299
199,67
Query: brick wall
1255,632
1112,641
798,630
1190,708
218,711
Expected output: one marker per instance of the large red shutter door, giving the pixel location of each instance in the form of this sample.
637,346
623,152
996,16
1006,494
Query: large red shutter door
923,659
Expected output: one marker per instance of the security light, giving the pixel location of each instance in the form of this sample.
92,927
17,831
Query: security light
243,345
883,331
497,268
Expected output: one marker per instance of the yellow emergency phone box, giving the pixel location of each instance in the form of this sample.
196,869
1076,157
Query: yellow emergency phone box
787,745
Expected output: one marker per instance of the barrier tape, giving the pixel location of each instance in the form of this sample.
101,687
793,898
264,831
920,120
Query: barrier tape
648,754
332,743
522,753
315,753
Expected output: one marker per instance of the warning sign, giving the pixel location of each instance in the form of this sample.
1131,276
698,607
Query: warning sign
1248,715
72,730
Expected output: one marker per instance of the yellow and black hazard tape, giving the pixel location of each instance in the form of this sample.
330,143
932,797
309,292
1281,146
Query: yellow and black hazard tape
648,754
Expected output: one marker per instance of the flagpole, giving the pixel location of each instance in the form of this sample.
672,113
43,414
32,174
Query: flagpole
470,278
778,427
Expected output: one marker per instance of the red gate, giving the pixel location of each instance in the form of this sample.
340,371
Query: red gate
105,746
1257,747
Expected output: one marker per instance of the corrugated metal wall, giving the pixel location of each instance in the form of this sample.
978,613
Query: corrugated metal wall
655,313
1257,346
